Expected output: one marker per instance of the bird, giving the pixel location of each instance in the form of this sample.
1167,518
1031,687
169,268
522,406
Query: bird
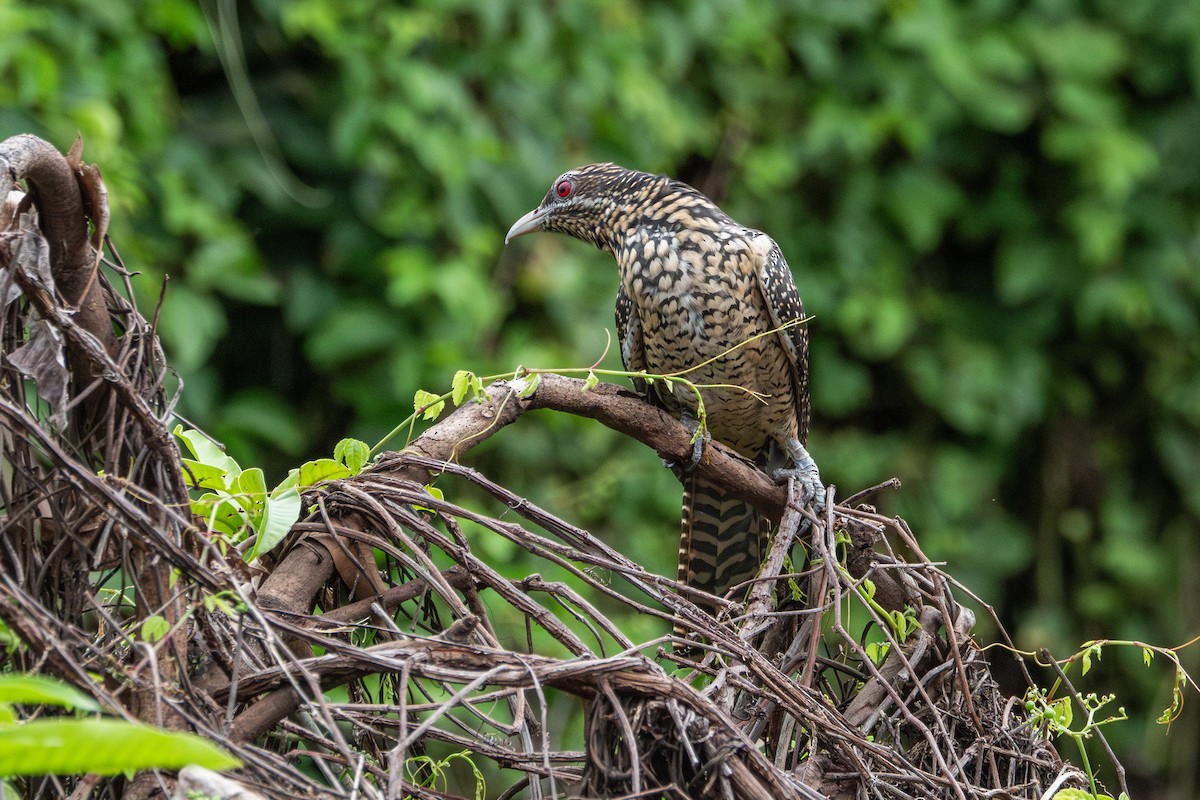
702,295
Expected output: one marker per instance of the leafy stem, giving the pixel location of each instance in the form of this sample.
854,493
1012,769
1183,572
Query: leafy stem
1057,716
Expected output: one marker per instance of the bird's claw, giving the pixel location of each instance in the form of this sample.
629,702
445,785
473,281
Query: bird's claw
700,440
806,475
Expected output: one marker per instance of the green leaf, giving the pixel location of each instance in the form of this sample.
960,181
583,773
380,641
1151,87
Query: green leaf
430,402
279,514
591,381
221,602
1063,713
205,450
1147,655
40,690
103,747
252,486
155,628
222,512
460,385
203,476
323,469
433,492
354,453
465,383
1088,651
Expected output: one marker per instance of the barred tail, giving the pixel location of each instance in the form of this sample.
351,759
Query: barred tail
722,540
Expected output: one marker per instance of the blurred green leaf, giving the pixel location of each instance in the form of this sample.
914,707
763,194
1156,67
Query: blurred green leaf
40,690
101,746
354,453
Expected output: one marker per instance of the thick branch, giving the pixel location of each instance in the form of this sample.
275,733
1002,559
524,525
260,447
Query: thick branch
611,405
55,189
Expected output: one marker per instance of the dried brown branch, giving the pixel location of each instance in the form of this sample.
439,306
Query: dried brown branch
608,404
55,186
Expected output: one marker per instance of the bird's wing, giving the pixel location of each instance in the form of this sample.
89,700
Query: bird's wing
783,303
629,334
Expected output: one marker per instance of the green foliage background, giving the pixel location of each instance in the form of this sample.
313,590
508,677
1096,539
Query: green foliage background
990,207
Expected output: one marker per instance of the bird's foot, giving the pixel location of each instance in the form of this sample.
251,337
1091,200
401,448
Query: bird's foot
700,440
805,473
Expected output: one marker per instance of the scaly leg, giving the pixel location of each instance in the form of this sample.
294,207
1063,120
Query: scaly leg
805,471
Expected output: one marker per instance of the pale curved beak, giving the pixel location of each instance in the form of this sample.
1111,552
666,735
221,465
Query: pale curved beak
530,223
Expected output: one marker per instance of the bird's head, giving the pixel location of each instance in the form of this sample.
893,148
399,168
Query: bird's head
595,203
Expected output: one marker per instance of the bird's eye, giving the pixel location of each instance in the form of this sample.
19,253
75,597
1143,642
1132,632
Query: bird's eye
563,189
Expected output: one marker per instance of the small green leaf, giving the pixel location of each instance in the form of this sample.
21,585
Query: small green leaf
101,746
460,385
430,402
40,690
252,486
591,381
323,469
279,514
353,453
155,628
1090,649
1147,655
221,602
433,492
203,476
205,450
221,512
1063,713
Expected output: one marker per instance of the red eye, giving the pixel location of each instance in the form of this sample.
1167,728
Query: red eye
563,189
